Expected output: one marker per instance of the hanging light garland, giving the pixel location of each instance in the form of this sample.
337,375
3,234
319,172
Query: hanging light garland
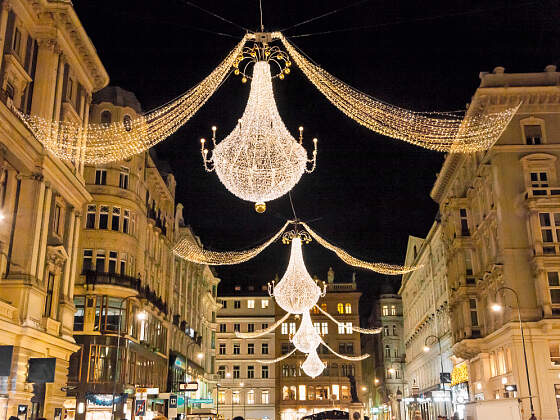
306,339
278,359
259,160
189,249
296,292
102,143
264,331
341,324
444,132
342,356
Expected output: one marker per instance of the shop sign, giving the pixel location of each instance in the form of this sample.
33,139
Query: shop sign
140,408
149,391
188,386
201,401
180,363
172,407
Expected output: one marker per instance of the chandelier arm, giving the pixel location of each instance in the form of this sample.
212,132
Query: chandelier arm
382,268
97,143
262,332
342,356
278,359
450,133
357,329
189,249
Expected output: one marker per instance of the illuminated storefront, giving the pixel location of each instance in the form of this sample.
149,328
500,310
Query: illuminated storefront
460,388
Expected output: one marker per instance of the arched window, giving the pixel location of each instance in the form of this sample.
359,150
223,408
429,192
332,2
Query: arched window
348,308
340,308
127,122
106,117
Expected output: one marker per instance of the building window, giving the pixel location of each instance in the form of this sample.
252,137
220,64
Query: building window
251,304
222,371
264,372
393,310
236,304
103,217
386,330
224,304
533,134
100,177
250,372
236,348
397,374
387,351
113,261
236,371
394,330
106,117
315,310
250,327
324,328
264,348
264,303
324,307
345,328
474,312
79,315
236,327
539,179
264,325
100,261
284,328
389,375
123,178
348,309
16,42
235,394
222,348
126,221
302,391
550,231
285,370
554,287
251,348
49,296
287,347
385,310
464,221
87,261
221,397
116,219
317,326
340,308
123,263
57,220
265,397
101,363
341,328
90,216
292,328
251,397
222,328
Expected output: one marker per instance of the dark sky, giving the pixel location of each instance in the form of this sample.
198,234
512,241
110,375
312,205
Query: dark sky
369,192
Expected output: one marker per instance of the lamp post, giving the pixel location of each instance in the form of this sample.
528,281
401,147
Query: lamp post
399,399
426,350
199,356
496,307
141,315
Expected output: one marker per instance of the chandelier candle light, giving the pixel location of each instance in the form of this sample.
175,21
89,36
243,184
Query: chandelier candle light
259,160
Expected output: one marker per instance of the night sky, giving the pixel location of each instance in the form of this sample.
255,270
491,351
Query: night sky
368,192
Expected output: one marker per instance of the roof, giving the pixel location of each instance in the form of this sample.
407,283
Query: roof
117,96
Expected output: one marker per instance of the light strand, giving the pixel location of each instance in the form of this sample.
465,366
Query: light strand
446,133
342,356
189,249
355,262
278,359
264,331
102,143
341,324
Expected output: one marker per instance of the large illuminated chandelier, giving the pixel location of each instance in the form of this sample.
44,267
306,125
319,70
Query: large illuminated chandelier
259,160
296,292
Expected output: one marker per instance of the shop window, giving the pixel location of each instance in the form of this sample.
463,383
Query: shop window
235,399
221,397
265,396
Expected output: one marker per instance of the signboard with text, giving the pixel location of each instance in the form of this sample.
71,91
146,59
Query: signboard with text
188,386
201,401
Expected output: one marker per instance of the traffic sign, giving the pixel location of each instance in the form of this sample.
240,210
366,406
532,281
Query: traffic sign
140,408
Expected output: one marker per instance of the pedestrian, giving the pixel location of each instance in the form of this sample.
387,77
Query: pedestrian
13,418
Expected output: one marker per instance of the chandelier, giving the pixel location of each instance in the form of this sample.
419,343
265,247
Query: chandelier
296,292
259,160
306,339
313,366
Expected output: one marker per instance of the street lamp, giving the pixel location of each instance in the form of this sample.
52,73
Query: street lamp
399,399
496,307
426,350
141,316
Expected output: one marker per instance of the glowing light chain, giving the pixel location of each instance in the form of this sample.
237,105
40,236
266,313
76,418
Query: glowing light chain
278,359
264,331
259,160
446,132
355,262
189,249
102,143
342,356
296,292
354,328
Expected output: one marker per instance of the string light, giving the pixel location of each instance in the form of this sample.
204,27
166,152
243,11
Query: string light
306,339
189,249
264,331
313,366
296,292
278,359
445,132
355,262
102,143
341,356
259,160
341,324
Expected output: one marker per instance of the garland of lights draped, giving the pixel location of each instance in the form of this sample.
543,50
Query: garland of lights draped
262,332
189,249
278,359
341,324
102,143
354,262
444,132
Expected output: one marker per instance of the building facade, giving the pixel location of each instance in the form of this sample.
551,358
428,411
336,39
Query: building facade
298,394
130,282
383,372
499,217
427,332
246,387
48,67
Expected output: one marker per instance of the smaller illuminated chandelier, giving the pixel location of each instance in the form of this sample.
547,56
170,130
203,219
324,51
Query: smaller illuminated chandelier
296,292
259,160
313,365
306,339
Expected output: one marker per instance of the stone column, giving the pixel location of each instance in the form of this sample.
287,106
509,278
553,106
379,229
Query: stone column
5,10
45,79
74,256
44,233
58,92
69,248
